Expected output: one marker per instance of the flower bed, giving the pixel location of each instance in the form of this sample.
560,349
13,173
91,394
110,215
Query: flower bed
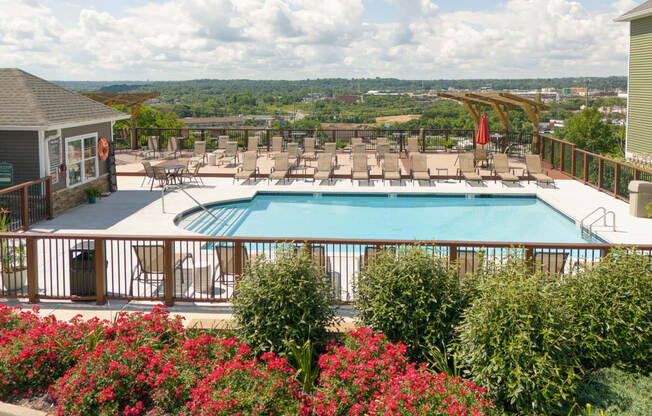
145,363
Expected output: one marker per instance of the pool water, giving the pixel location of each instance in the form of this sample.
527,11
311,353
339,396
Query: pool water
387,216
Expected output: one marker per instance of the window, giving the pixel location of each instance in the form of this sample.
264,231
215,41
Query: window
81,159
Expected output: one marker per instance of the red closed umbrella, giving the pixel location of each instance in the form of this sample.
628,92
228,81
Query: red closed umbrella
483,131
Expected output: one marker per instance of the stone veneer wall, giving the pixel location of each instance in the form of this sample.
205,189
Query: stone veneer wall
72,197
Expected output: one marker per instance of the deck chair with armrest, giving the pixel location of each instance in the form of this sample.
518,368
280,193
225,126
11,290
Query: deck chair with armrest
534,170
230,154
412,146
420,170
382,140
226,265
149,173
480,157
249,167
199,151
356,140
150,262
331,149
382,149
550,263
324,169
292,150
281,168
501,169
391,168
191,172
160,175
252,144
171,149
277,146
359,169
309,152
467,170
221,147
359,148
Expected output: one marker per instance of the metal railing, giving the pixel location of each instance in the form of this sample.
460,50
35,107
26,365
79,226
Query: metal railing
27,203
430,140
605,174
204,269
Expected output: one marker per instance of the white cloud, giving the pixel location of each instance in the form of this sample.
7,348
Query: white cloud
184,39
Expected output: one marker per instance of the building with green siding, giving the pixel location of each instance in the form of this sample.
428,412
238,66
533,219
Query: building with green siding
639,114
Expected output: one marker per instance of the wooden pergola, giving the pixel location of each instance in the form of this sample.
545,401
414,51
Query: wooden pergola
132,100
501,102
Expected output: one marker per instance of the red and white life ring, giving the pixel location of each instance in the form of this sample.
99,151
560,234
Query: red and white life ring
103,146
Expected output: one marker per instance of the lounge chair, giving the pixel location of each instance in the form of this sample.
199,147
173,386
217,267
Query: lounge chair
356,140
231,153
281,168
467,170
382,149
359,169
226,264
149,173
391,168
550,262
501,169
252,144
172,149
533,169
309,152
199,151
277,146
480,156
324,169
412,146
331,149
382,140
149,150
359,148
293,153
150,262
420,170
249,167
469,261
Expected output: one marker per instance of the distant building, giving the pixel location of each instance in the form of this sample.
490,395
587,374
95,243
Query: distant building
639,104
578,91
203,122
348,99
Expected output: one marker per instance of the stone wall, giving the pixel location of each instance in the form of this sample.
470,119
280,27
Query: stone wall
72,197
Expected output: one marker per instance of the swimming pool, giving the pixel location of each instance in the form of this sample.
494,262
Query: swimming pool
387,216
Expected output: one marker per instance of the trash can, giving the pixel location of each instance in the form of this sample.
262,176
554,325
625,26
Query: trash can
640,194
82,269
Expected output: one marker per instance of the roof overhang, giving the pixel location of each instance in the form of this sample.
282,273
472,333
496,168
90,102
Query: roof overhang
635,15
64,125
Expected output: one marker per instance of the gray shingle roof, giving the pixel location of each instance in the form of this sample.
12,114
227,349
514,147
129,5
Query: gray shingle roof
27,100
643,10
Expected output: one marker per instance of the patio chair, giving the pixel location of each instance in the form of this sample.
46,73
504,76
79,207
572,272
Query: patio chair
277,146
249,167
382,140
160,175
480,156
533,169
281,168
191,172
501,169
150,149
172,149
467,170
331,149
226,264
391,168
149,173
412,146
359,169
359,148
230,153
309,152
420,170
199,151
293,153
324,169
252,144
469,261
382,149
550,263
150,262
371,252
356,140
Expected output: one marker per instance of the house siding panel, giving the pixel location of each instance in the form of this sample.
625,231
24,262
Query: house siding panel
21,149
639,139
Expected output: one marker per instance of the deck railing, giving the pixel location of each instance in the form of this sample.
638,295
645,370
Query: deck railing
430,140
27,203
605,174
204,269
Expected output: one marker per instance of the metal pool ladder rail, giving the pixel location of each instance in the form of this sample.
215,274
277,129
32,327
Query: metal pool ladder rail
602,217
199,204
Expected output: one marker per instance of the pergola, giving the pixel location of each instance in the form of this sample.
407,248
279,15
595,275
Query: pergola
501,102
132,100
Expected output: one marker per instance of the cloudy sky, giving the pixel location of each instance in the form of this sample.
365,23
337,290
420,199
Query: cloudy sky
298,39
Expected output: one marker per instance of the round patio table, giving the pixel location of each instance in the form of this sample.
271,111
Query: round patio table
171,169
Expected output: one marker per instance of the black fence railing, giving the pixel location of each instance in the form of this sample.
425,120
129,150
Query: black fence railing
26,203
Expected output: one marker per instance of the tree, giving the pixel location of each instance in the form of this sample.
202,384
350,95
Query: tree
587,130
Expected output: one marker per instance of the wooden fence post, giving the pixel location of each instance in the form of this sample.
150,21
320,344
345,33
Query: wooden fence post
100,271
168,271
237,260
529,257
561,156
267,138
616,178
32,269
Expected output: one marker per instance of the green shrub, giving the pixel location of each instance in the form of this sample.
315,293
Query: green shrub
617,393
611,306
514,340
412,297
288,299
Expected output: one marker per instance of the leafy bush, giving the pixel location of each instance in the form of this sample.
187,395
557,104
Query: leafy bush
617,393
411,297
370,375
288,299
514,339
611,306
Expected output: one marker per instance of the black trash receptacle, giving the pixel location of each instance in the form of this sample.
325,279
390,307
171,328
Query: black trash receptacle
82,269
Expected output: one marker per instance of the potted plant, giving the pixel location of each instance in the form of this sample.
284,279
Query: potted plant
12,258
92,192
449,144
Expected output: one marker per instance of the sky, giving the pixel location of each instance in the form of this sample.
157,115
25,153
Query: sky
299,39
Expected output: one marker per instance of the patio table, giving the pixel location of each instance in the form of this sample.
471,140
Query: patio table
171,171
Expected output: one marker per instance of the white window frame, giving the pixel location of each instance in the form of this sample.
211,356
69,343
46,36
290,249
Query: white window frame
84,179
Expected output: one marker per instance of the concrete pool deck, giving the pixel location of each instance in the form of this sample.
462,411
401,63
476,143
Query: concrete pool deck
134,210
